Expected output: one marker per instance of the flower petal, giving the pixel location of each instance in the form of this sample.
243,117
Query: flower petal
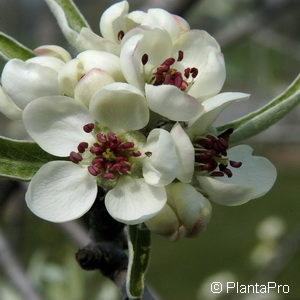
24,82
253,179
191,207
53,50
90,83
186,153
161,166
69,76
8,107
121,107
212,108
47,61
55,123
112,20
137,42
133,201
102,60
172,103
88,40
61,191
203,52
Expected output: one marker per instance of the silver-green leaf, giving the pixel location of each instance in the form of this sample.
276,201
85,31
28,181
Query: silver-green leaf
266,116
10,48
139,240
20,160
68,17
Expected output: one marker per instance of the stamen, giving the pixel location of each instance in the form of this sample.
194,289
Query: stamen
121,35
108,176
194,72
82,146
169,61
93,170
75,157
145,59
89,127
180,55
217,174
235,164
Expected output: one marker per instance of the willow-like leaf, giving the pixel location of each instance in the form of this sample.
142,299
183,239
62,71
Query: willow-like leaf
20,160
68,17
10,48
266,116
139,240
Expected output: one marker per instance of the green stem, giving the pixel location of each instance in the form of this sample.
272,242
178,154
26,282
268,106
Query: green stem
139,241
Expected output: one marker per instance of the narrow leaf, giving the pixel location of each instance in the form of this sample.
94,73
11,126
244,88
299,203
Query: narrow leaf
69,18
139,240
20,160
266,116
10,48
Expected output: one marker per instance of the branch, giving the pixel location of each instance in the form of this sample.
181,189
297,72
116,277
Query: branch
15,272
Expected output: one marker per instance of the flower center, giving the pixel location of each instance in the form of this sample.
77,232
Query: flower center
109,157
166,74
211,155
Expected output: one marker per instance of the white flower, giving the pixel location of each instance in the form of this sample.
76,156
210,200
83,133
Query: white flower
116,21
176,75
23,82
108,152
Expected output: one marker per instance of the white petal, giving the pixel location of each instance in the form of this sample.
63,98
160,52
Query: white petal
47,61
53,50
112,20
137,16
212,108
88,40
55,123
69,76
155,43
191,207
172,103
186,153
253,179
61,191
161,167
160,18
121,107
8,107
102,60
24,82
203,52
133,201
90,83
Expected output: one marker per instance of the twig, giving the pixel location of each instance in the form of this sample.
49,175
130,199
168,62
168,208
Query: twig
14,271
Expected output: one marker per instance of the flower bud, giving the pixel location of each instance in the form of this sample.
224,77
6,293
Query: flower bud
186,213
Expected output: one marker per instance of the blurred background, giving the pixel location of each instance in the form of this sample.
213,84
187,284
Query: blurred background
258,241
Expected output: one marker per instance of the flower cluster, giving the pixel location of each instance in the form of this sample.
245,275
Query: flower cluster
133,114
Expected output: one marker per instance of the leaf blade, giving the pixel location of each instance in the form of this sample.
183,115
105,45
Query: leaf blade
20,160
11,48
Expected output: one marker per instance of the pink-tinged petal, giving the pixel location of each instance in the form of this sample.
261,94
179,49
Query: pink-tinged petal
172,103
212,108
56,124
186,153
253,179
53,50
133,201
61,191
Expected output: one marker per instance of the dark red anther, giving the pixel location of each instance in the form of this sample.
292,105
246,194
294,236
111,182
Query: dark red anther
134,153
184,85
121,35
169,61
96,149
178,81
194,72
210,165
89,127
180,55
228,172
112,137
162,68
93,170
127,145
226,134
217,174
145,58
108,176
101,138
235,164
75,157
82,146
187,72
